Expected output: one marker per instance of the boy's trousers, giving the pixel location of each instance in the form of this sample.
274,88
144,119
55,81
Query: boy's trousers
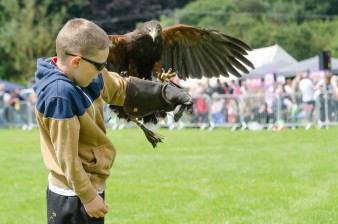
68,210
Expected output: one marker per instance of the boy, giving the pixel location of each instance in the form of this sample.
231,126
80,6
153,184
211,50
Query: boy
70,91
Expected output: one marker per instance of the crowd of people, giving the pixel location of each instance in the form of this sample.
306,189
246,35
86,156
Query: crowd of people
16,109
266,101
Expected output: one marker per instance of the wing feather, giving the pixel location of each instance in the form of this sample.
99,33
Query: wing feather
243,59
203,52
238,65
237,42
201,62
181,60
168,58
220,57
193,61
231,69
234,48
212,66
191,68
194,66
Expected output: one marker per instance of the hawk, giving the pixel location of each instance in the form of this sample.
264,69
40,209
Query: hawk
188,51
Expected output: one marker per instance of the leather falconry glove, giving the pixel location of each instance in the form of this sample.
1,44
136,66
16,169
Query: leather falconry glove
144,97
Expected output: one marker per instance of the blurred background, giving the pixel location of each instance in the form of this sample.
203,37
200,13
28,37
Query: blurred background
292,41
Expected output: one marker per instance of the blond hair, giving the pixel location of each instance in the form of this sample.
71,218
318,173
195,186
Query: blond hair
81,36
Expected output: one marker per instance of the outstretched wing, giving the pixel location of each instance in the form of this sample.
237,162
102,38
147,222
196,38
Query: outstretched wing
196,52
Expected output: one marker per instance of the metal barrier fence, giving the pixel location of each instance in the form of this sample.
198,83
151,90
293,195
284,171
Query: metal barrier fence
255,112
21,115
249,111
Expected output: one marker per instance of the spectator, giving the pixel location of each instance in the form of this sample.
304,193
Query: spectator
15,108
295,88
330,98
234,88
225,88
269,95
334,84
3,107
201,107
219,87
288,87
264,114
243,88
31,110
217,109
306,88
208,88
320,87
232,111
282,104
2,93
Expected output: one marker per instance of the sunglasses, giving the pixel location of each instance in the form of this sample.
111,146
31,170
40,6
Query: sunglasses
99,66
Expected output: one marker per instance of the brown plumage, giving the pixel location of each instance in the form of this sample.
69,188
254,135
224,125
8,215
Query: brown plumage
189,51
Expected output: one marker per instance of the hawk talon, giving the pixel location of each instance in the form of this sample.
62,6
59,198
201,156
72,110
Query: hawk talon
167,75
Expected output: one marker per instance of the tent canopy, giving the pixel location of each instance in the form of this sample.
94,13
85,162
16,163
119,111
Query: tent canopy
268,55
268,60
267,68
9,86
310,64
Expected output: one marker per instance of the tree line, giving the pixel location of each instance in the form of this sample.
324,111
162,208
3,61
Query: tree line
303,28
28,27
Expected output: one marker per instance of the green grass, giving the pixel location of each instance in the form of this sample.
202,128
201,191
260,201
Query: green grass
193,177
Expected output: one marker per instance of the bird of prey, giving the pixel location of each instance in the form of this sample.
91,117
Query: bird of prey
190,52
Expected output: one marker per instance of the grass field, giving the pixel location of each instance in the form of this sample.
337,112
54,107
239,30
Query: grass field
194,177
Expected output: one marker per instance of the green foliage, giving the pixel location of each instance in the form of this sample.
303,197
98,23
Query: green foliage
303,28
203,13
22,40
28,28
29,33
333,46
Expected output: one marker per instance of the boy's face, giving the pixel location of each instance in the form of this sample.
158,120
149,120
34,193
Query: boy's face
85,70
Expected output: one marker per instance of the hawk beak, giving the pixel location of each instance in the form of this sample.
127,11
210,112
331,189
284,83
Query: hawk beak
153,33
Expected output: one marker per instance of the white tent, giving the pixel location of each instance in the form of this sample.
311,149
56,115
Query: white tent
267,55
267,68
310,64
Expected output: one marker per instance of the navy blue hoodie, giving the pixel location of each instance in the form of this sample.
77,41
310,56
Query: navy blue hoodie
59,97
73,138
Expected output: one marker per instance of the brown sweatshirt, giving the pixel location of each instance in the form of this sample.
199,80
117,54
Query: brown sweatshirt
73,138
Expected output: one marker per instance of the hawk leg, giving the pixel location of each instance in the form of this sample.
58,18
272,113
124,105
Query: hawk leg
167,75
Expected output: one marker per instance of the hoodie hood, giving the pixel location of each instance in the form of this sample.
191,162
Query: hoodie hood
47,73
59,97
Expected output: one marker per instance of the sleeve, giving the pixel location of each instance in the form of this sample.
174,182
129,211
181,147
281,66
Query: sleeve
114,88
64,134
